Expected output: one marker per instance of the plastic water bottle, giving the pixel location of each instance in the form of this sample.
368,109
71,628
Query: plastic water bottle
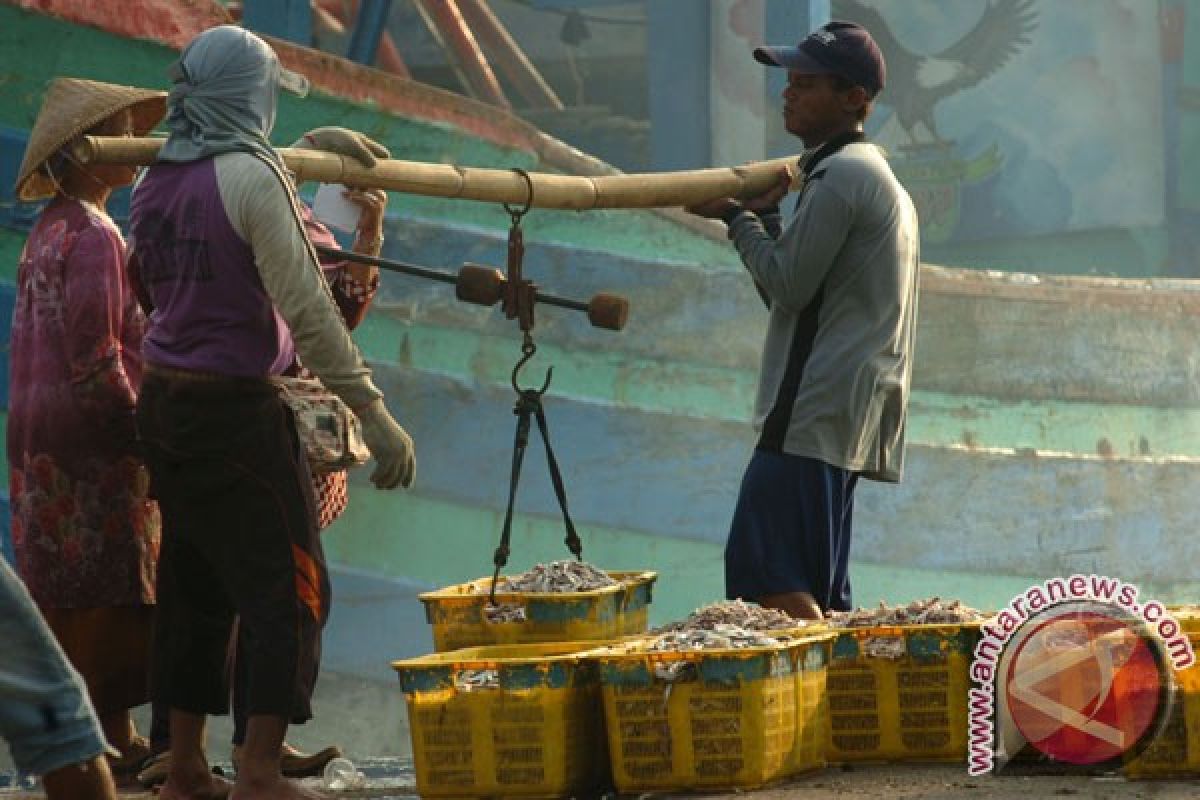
340,773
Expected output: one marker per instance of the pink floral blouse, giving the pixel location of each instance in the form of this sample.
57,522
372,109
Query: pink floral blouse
85,532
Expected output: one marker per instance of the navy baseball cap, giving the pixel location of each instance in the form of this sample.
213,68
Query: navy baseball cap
838,48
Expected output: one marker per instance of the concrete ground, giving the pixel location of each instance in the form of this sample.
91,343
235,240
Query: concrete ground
392,779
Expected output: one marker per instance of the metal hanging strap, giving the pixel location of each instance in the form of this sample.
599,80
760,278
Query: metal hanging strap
518,303
528,407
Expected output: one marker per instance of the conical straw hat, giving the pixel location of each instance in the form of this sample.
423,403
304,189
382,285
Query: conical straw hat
71,107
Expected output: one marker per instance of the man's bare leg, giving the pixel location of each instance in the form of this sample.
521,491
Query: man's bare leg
190,777
800,605
259,776
87,780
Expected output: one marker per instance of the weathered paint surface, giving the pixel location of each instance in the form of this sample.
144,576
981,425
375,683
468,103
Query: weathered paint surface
650,424
11,243
675,477
653,438
1021,336
172,22
175,23
409,536
725,393
415,121
1013,338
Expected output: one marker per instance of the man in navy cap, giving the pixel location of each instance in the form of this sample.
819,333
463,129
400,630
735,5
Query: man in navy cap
840,283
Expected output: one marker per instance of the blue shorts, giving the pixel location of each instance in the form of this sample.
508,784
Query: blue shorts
791,531
45,713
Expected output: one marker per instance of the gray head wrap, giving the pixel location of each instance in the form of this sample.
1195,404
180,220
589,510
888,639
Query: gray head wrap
226,83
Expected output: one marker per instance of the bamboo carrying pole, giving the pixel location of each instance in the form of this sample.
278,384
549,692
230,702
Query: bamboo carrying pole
575,192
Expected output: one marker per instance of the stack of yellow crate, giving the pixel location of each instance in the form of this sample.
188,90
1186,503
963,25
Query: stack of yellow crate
512,708
713,719
1176,750
909,707
505,721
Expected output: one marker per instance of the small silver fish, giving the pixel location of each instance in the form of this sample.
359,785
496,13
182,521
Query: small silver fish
889,647
556,577
469,680
505,612
722,637
933,611
737,613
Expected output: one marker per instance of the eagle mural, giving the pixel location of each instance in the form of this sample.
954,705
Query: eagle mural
917,82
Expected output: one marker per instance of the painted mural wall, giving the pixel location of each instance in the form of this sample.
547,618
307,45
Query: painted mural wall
740,112
1036,135
1024,117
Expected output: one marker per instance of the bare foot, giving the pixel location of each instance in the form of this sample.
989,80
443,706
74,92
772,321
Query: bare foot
209,787
279,788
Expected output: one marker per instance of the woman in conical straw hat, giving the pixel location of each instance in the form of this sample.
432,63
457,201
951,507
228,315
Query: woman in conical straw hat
85,533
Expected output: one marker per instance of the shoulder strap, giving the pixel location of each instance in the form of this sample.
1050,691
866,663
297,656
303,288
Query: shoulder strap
829,148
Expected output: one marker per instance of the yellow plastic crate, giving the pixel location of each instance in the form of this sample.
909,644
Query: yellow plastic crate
913,708
728,721
539,734
810,657
457,613
1176,751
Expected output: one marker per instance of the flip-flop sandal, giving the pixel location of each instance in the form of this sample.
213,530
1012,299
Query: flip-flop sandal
132,760
295,764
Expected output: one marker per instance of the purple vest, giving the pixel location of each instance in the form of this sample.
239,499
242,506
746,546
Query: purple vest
211,311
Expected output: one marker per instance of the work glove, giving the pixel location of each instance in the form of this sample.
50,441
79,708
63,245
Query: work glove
344,141
391,446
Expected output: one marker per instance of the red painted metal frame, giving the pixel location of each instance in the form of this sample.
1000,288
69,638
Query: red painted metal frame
463,46
508,55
